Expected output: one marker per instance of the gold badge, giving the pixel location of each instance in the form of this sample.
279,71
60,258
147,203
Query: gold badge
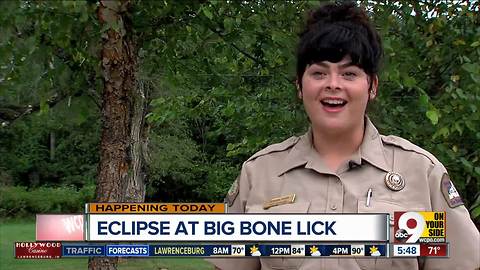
279,201
394,181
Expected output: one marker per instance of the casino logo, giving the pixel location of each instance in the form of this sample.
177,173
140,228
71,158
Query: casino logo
38,250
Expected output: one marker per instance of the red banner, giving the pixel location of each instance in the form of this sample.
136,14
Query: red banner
38,250
59,227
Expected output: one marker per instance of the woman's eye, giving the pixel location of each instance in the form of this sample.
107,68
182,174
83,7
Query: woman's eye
318,73
350,75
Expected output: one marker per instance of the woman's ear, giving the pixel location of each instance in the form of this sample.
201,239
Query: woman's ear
373,88
299,90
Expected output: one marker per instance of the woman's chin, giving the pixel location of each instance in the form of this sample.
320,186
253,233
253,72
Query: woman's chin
331,125
334,126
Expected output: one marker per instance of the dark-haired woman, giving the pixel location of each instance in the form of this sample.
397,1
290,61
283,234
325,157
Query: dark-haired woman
342,164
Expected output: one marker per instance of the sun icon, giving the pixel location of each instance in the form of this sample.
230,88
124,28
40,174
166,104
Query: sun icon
314,251
374,251
254,251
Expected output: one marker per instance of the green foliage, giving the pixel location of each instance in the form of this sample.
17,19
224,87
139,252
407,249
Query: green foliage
429,90
225,83
18,201
48,52
46,48
28,156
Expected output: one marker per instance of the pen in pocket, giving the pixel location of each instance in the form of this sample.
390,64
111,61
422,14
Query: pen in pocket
369,196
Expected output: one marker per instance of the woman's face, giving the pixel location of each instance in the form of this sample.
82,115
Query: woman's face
335,95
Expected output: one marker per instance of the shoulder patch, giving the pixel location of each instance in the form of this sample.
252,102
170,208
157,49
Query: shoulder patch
232,193
408,146
278,147
449,192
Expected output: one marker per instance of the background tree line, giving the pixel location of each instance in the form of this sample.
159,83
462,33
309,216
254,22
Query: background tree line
218,82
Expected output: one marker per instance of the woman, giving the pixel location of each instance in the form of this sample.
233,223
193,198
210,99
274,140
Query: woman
342,164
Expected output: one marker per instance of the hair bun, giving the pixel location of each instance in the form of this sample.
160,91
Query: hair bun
334,31
332,13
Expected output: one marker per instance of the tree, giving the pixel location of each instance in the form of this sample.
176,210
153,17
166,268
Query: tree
120,171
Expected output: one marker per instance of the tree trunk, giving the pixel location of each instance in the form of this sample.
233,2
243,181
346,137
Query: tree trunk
121,166
52,145
135,190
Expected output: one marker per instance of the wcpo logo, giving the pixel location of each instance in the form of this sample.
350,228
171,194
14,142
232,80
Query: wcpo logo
419,227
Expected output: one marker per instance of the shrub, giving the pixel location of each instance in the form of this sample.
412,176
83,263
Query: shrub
18,201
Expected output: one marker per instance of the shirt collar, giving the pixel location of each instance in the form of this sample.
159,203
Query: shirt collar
372,149
298,156
304,154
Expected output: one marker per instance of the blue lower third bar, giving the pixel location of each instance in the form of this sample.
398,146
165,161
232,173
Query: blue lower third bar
190,250
127,250
82,250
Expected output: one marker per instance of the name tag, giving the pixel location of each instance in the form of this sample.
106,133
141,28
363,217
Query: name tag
279,201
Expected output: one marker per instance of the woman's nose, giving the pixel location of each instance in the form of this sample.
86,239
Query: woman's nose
333,82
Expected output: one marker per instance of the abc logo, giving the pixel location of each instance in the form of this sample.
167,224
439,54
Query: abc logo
410,227
401,235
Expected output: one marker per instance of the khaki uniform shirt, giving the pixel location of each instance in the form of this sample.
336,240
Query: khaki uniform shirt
294,167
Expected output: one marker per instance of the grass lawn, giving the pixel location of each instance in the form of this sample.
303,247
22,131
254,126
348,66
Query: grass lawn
16,231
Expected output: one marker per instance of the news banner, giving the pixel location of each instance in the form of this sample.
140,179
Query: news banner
207,230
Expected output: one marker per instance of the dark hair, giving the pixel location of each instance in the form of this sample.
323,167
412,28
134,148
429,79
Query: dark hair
336,30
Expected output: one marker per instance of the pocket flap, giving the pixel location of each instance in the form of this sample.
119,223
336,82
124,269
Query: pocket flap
297,207
383,206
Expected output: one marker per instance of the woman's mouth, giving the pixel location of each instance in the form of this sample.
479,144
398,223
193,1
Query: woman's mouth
333,104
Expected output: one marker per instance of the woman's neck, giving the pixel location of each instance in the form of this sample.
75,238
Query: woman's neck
336,147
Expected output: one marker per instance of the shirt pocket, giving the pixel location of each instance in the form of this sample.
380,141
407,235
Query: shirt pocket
278,263
384,206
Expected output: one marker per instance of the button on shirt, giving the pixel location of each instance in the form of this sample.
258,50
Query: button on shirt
294,167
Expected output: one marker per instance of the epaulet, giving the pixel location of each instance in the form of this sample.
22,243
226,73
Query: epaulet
408,146
278,147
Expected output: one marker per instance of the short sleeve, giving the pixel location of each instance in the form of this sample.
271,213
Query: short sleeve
461,232
236,200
